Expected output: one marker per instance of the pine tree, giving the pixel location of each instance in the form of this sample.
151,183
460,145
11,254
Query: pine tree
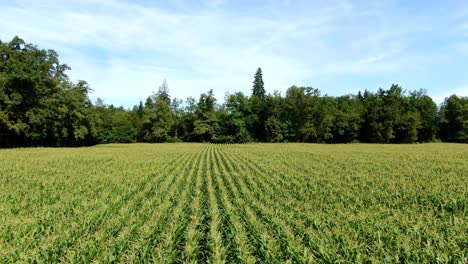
258,85
257,101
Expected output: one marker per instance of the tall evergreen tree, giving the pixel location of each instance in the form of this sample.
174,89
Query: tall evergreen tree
256,121
258,85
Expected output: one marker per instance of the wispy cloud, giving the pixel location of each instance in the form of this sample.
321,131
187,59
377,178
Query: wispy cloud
125,49
214,3
439,96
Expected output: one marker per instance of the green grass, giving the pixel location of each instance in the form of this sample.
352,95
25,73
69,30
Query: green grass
273,203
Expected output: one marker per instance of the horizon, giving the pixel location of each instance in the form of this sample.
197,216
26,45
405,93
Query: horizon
125,49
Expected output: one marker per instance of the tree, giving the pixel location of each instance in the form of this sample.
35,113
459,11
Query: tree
389,117
391,112
187,120
348,119
177,112
256,122
277,125
371,127
206,126
79,119
116,124
453,119
237,108
408,127
427,109
159,121
39,105
324,115
302,110
258,89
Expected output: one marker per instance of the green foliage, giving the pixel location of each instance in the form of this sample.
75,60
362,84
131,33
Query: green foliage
39,106
258,88
237,109
275,129
206,125
453,119
277,124
115,124
392,117
348,119
302,105
256,120
427,109
158,117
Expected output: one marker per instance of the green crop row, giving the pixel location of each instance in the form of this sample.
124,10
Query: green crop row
246,203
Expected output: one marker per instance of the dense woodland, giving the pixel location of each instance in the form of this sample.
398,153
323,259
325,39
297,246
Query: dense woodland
41,106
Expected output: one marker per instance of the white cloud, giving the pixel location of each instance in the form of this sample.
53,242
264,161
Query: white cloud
124,50
215,3
440,96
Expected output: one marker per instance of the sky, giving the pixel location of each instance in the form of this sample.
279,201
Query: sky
125,49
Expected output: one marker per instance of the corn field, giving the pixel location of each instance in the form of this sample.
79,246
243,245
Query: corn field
247,203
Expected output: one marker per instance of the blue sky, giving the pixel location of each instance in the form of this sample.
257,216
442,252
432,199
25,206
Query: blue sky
124,49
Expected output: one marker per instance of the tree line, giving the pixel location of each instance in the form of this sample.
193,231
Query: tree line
41,106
